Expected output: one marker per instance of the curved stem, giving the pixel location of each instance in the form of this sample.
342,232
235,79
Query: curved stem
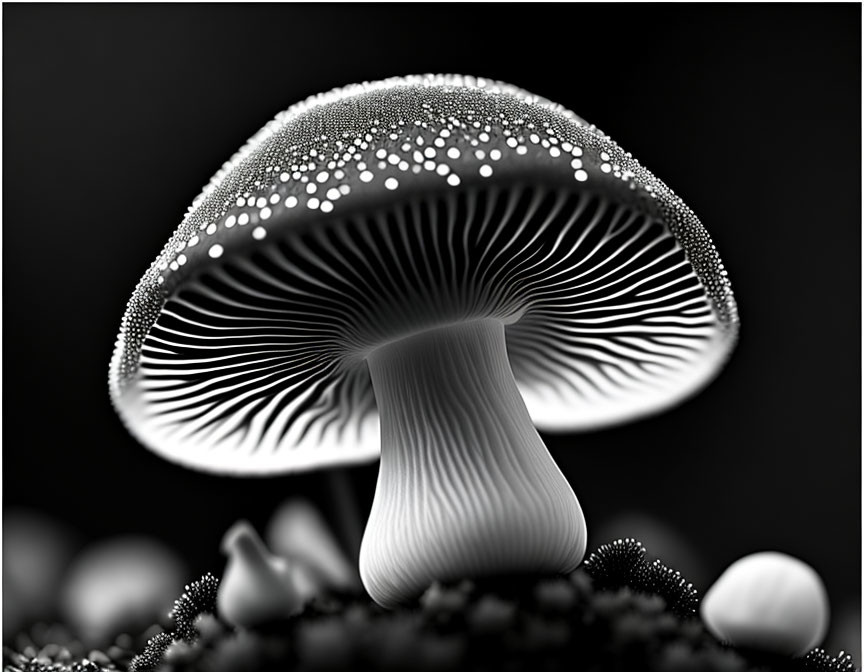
466,487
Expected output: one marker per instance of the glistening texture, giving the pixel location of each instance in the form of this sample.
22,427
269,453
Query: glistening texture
386,208
614,565
466,486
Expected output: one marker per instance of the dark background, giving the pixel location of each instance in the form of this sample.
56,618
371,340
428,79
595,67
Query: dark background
114,117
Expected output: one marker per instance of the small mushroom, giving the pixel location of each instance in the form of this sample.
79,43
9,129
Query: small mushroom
299,533
768,601
121,583
427,267
257,587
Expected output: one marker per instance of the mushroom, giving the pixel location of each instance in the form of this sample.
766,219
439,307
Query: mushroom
454,258
257,586
120,583
299,533
768,601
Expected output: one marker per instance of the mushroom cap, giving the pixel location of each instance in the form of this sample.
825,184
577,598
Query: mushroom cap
378,210
769,601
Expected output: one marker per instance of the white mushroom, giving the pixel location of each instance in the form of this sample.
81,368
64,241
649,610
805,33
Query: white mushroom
427,267
299,533
123,582
769,601
257,587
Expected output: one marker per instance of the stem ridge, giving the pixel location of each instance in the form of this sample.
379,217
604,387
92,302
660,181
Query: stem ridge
466,487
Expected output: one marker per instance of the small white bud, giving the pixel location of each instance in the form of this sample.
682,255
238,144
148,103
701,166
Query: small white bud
768,601
257,586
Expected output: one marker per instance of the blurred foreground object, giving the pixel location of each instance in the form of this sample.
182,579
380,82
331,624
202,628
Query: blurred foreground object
36,552
297,531
120,584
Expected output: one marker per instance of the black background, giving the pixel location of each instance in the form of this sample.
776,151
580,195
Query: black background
114,117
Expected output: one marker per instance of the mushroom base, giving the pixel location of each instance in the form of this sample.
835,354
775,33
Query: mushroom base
466,487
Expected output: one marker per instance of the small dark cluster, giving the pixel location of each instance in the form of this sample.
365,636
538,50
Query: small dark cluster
615,565
85,665
623,564
153,654
199,598
17,663
819,660
680,596
54,649
37,665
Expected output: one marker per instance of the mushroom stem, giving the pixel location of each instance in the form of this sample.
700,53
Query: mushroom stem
466,487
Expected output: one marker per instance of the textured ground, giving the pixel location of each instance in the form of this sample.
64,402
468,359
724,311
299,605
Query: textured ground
617,612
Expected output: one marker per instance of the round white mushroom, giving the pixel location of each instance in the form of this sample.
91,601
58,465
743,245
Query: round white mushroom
768,601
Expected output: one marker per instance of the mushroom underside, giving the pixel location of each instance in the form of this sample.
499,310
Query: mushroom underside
259,363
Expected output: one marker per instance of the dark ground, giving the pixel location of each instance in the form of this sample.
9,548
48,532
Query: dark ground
116,115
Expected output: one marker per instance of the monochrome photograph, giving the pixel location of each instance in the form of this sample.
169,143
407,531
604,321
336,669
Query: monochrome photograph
431,337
